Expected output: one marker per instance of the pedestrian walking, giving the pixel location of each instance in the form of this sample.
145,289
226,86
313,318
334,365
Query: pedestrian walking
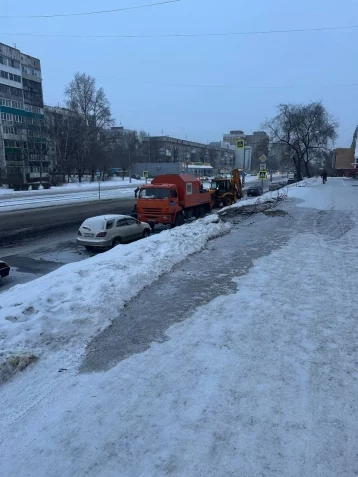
324,176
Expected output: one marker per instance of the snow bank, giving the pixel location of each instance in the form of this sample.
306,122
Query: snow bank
73,187
66,307
300,190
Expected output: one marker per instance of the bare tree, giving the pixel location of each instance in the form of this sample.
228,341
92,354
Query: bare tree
92,106
65,129
304,130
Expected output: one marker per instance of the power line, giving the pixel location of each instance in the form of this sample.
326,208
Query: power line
228,85
188,35
100,12
223,86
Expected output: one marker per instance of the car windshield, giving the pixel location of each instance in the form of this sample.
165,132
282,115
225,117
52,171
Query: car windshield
96,223
154,193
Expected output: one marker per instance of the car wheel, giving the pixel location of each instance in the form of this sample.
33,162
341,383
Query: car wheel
146,233
116,241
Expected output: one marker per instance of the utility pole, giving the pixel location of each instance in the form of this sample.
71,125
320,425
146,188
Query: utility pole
130,165
146,179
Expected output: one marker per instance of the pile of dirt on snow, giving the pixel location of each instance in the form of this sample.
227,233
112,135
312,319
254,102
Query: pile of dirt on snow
260,206
10,364
275,213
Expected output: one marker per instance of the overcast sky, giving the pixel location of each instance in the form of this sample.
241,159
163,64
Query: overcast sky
198,88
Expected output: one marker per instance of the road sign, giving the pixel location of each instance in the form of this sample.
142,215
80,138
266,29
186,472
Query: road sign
240,144
263,158
263,166
145,174
263,175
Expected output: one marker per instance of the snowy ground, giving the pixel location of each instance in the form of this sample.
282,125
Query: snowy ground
51,199
256,376
72,187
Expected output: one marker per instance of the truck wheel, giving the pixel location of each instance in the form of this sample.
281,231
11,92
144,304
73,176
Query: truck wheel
228,201
202,212
179,220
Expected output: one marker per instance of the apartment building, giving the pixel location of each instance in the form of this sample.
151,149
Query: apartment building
23,150
159,149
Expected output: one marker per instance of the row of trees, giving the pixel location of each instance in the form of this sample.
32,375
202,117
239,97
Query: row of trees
81,134
301,135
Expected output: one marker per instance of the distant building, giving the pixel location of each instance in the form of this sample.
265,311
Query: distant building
258,142
159,168
117,134
234,136
344,160
227,155
170,149
166,149
23,148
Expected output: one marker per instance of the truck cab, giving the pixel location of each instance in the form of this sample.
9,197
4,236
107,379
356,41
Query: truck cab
158,204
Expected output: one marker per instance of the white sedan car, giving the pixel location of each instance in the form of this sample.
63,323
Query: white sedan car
107,231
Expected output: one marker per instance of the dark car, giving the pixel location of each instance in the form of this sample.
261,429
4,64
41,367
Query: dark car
135,176
254,191
4,269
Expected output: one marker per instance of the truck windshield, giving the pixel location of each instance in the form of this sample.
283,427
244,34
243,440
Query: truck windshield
154,193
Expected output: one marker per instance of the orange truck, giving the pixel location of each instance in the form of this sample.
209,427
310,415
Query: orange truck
171,198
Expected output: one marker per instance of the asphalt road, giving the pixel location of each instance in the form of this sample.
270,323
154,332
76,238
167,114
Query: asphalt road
16,225
20,224
35,242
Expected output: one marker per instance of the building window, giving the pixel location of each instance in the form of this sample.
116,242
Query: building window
17,105
9,130
9,62
10,90
31,71
15,78
5,102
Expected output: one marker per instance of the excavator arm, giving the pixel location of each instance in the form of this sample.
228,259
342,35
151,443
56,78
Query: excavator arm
236,182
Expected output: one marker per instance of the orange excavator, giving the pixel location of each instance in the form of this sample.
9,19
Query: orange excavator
225,191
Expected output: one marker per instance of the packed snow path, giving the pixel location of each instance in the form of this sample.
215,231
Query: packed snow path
241,361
